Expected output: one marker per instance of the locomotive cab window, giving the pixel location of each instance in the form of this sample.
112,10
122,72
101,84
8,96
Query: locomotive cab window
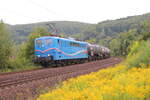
39,43
48,42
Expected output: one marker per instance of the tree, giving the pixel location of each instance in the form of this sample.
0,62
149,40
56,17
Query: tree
5,46
115,47
28,47
120,45
145,30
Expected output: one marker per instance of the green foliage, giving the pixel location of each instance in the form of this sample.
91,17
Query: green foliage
120,45
22,55
139,54
18,61
5,46
145,31
28,48
115,47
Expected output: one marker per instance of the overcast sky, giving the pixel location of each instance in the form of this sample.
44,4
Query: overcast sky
90,11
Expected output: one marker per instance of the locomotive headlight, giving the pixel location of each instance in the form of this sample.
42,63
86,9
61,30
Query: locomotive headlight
38,55
49,55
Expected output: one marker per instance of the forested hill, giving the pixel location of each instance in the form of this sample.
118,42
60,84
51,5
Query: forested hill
110,28
20,32
123,24
95,33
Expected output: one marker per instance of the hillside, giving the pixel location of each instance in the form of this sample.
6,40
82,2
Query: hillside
110,28
20,32
84,31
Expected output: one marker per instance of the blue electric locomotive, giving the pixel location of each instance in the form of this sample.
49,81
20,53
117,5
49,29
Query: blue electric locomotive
49,49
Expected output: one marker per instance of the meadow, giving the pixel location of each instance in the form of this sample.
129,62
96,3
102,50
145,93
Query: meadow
115,83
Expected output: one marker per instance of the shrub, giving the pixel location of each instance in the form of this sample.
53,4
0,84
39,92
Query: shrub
139,54
5,46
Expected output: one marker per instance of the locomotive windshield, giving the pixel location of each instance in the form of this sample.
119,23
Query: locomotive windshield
48,42
39,43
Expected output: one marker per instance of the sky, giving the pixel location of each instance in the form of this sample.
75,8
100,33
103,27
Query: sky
89,11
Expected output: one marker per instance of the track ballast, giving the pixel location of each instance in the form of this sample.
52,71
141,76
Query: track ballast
25,84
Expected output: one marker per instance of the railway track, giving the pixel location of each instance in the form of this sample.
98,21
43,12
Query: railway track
52,74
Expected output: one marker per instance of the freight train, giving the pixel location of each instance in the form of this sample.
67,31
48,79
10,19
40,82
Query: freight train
57,51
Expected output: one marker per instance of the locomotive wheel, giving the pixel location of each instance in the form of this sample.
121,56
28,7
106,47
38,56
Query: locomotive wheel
58,65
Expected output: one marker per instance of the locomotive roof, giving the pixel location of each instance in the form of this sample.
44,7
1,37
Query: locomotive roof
44,37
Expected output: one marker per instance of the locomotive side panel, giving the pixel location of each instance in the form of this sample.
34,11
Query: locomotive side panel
68,49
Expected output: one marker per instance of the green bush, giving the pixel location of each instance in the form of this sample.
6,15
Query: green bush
139,54
18,61
5,46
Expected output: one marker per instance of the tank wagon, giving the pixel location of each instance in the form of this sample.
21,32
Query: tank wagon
56,51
